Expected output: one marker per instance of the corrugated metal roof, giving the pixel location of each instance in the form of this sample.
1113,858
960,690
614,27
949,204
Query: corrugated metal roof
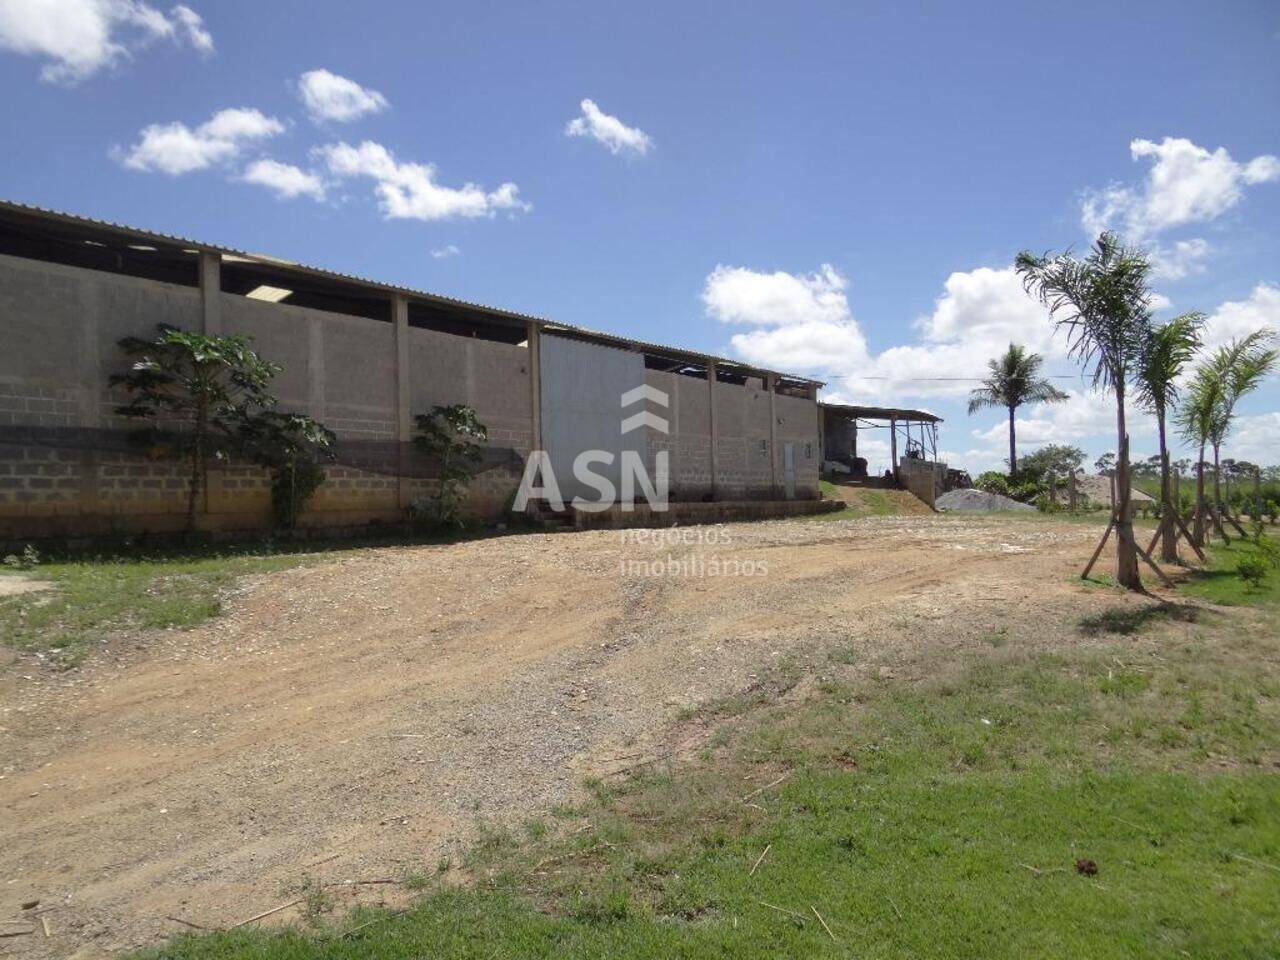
676,353
881,413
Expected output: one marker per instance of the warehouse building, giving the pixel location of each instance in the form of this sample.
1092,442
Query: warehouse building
362,357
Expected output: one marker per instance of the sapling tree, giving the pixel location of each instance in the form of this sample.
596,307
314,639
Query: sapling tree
454,437
1164,354
206,397
293,447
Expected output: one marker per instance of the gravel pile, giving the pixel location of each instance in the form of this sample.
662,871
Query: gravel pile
977,501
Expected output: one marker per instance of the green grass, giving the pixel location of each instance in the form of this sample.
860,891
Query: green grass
93,597
874,503
940,816
1218,581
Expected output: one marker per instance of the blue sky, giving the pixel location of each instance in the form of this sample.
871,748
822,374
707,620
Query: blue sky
832,189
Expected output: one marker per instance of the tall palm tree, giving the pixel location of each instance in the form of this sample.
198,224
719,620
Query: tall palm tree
1104,303
1014,380
1165,352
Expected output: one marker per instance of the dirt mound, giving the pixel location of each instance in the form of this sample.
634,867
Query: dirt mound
978,501
875,501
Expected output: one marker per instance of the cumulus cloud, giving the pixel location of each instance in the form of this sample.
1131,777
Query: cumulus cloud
330,97
449,250
175,148
410,191
1184,258
1255,438
801,321
1239,318
604,128
285,180
77,38
804,322
1186,184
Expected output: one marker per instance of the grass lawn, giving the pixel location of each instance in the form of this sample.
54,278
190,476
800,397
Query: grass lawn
940,811
92,597
1218,581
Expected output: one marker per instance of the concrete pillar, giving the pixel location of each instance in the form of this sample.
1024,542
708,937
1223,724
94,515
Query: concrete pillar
404,417
90,392
770,384
715,433
533,339
211,293
315,368
893,443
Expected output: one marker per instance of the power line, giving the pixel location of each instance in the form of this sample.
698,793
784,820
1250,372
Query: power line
851,376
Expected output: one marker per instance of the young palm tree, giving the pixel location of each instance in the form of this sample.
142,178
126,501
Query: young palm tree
1103,302
1220,381
1198,418
1240,366
1165,352
1014,380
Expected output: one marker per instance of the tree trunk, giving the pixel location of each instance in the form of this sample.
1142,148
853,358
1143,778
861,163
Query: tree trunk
1013,446
1126,549
1198,530
1169,538
193,483
1217,495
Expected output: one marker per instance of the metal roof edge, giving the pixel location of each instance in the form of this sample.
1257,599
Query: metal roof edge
139,233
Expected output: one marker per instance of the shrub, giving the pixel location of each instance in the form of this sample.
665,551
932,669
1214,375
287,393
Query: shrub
26,560
454,438
1252,570
993,482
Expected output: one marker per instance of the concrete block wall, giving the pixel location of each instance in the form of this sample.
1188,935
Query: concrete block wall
744,467
688,440
67,470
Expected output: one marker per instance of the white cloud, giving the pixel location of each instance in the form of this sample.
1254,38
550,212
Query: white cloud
80,37
192,27
608,130
1239,318
1186,184
410,190
285,180
175,148
449,250
1255,438
804,323
328,96
1085,413
1184,258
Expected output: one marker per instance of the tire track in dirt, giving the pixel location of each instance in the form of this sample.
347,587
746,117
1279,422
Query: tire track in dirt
364,712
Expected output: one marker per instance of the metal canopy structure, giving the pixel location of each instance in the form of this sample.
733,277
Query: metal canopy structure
917,428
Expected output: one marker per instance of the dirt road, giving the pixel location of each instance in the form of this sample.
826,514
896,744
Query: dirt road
354,719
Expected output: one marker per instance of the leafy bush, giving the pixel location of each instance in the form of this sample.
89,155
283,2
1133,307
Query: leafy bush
1252,569
993,482
453,436
26,560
